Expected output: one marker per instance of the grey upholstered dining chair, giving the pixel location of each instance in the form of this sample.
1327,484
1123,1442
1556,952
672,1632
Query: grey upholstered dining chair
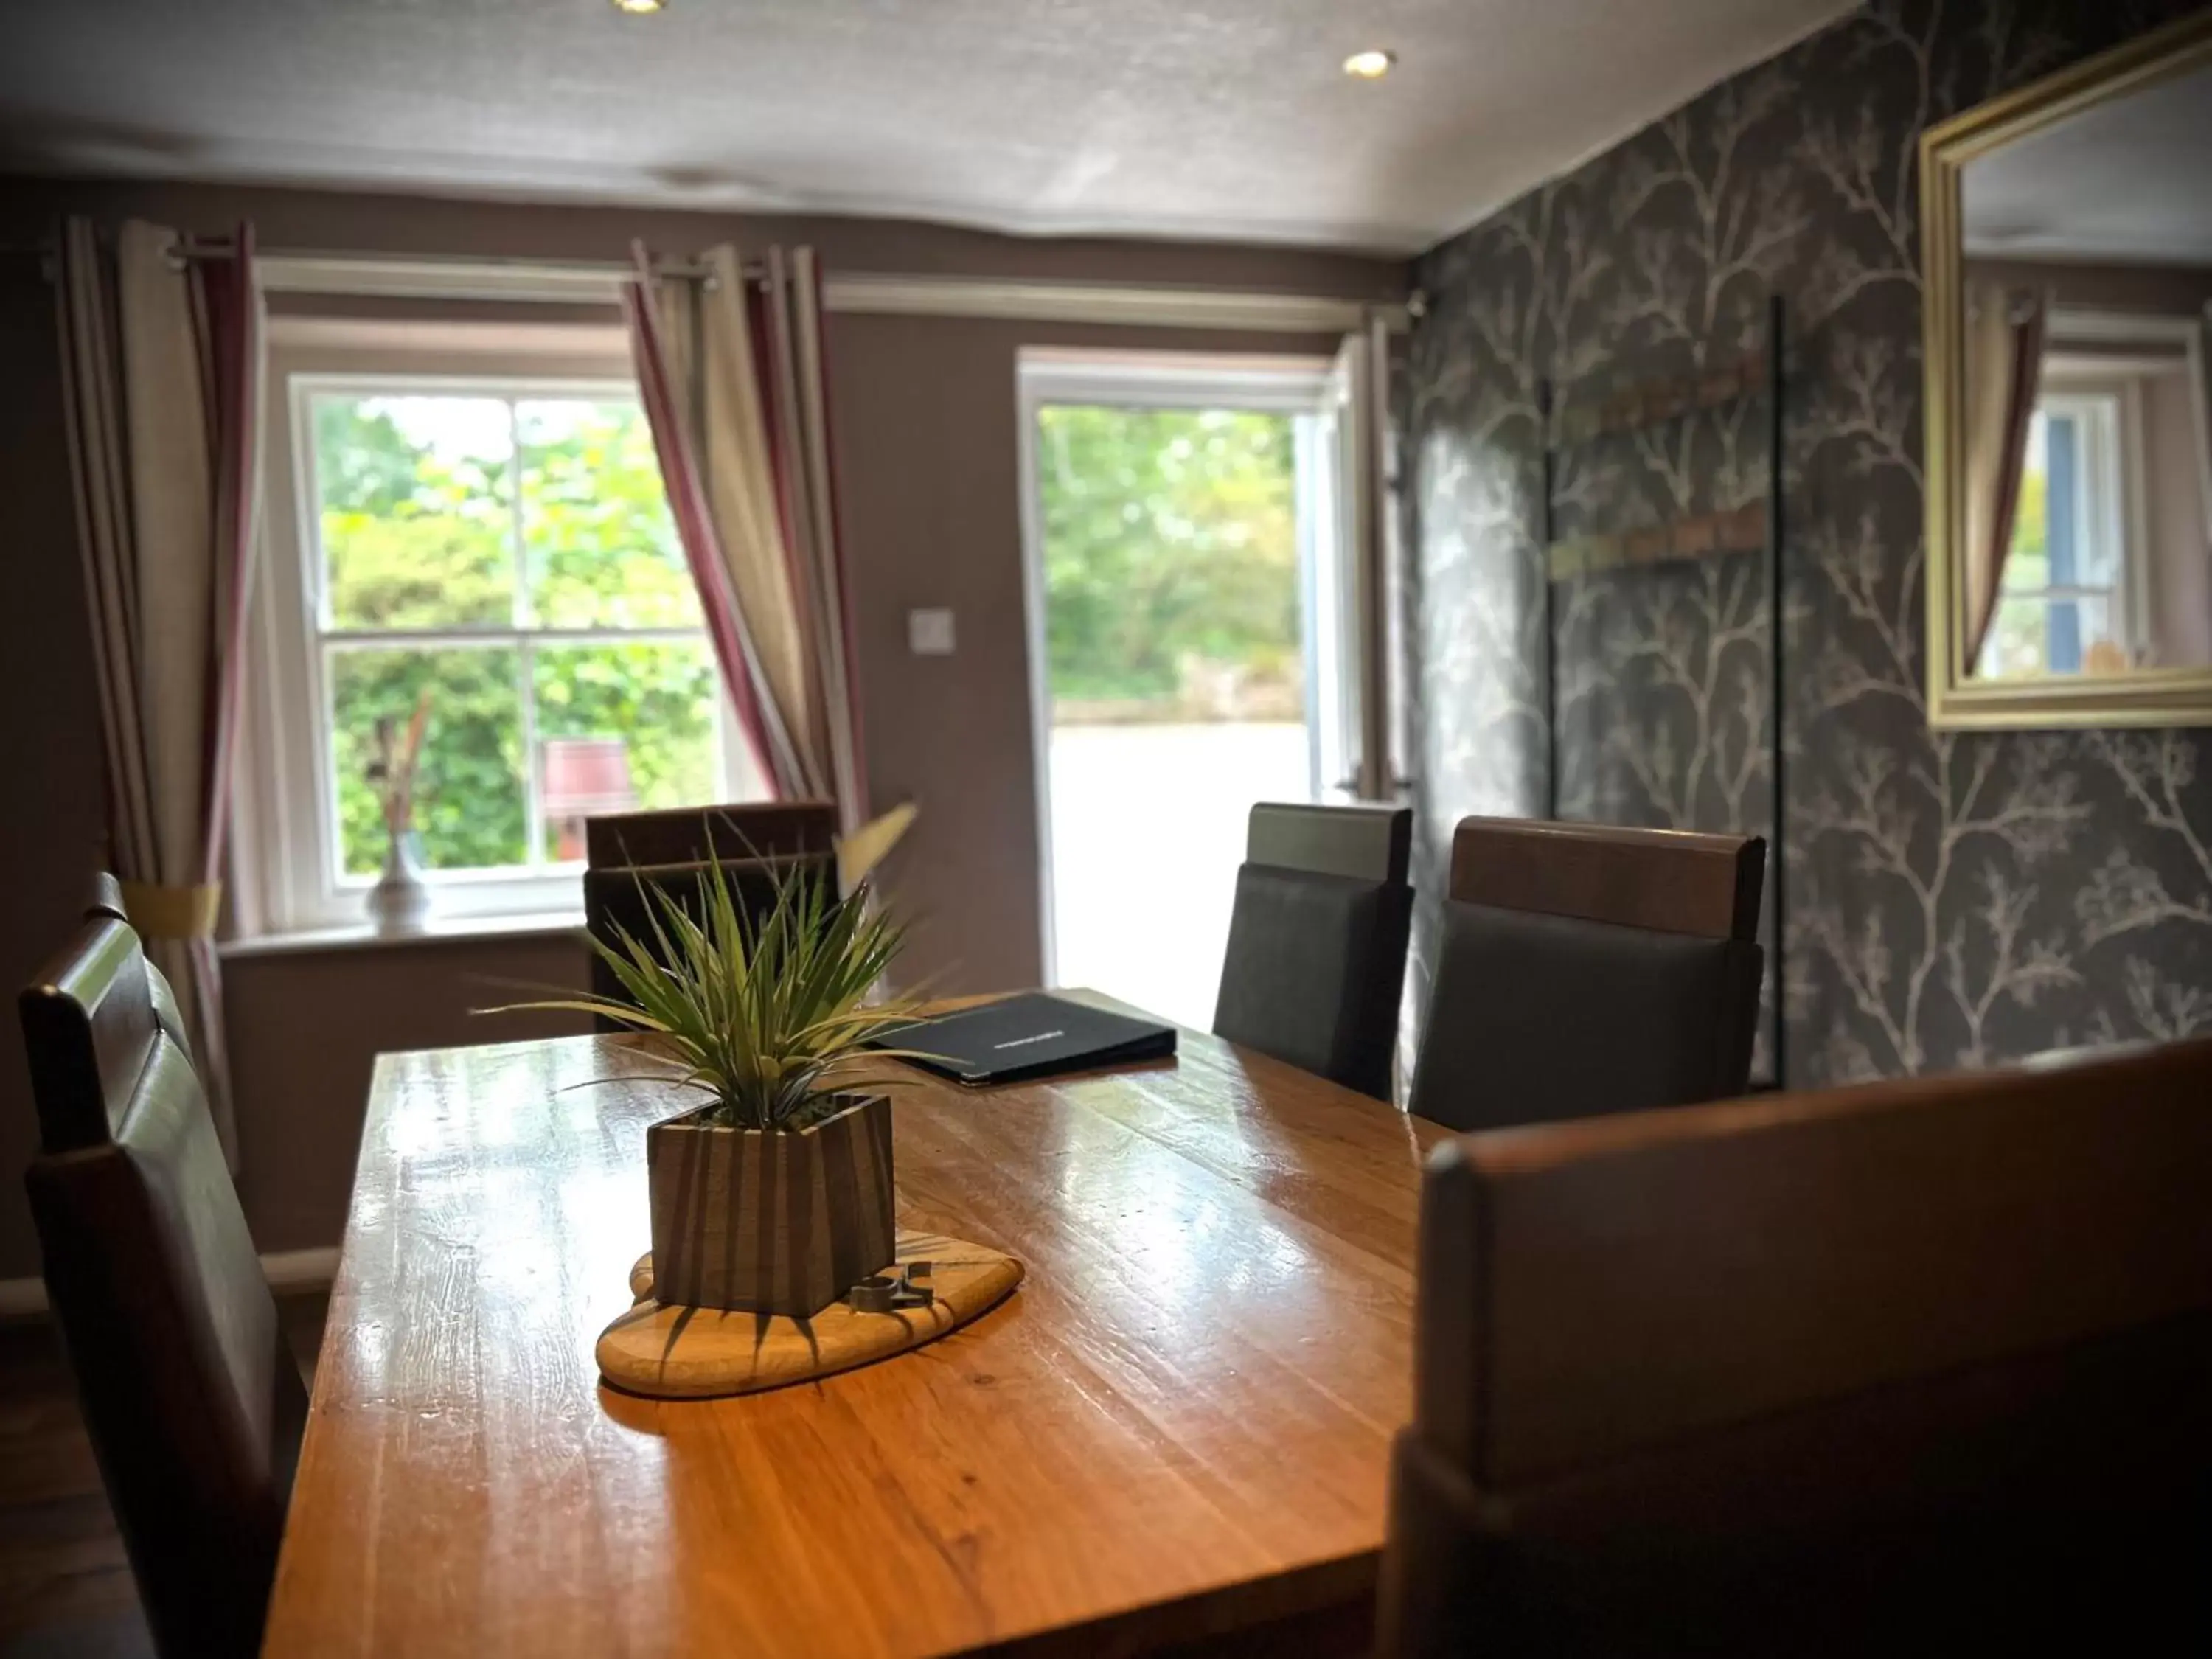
1585,968
1919,1367
1314,967
195,1405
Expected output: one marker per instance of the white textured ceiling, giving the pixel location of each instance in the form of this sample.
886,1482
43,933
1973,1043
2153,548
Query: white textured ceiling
1223,119
2128,180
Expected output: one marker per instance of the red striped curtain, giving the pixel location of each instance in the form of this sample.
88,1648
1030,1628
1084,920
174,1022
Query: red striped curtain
162,359
730,373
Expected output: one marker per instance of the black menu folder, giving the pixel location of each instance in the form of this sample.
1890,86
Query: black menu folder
1033,1035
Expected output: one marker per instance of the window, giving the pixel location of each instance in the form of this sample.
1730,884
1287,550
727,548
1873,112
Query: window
500,545
2105,572
2062,605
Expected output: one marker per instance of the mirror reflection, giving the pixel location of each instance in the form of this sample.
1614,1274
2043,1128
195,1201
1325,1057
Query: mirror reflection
2087,417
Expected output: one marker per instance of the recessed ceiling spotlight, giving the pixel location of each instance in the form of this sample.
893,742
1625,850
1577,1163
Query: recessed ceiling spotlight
1371,65
638,8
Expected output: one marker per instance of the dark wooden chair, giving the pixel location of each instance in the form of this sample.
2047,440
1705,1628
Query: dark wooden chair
630,855
1315,964
1919,1367
1585,968
690,835
194,1403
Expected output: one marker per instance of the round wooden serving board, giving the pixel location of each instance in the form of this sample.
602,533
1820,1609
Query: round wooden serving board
697,1354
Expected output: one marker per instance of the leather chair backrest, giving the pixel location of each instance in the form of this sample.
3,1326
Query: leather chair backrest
1585,969
1314,967
626,853
622,898
692,835
1672,881
1801,1374
194,1404
107,901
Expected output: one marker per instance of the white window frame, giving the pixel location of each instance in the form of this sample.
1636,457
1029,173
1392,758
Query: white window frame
2104,486
2100,417
1329,484
286,851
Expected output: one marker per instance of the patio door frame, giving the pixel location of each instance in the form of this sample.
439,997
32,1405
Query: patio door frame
1339,599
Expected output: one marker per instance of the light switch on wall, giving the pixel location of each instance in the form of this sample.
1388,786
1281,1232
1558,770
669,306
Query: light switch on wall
929,633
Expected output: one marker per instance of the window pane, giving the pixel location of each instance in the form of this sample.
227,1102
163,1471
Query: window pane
1170,564
469,787
2103,646
603,549
2077,635
2062,518
624,725
2019,639
2027,565
413,494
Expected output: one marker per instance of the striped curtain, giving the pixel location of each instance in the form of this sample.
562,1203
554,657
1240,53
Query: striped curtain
730,373
162,359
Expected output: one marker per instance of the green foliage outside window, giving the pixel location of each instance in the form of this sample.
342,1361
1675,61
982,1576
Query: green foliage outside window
418,532
1170,544
2019,639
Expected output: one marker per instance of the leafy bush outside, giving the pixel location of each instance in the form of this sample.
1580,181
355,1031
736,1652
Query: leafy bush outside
1171,562
1170,553
418,532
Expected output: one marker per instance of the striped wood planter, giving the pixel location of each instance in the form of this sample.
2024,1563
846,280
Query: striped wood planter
771,1221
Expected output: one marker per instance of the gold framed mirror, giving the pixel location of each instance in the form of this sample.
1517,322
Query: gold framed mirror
2066,235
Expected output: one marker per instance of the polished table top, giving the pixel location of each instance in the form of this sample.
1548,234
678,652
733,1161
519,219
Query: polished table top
1178,1424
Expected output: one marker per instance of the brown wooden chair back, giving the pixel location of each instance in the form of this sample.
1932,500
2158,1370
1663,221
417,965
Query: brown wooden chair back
1673,881
1870,1371
193,1401
692,835
1584,968
1314,968
629,856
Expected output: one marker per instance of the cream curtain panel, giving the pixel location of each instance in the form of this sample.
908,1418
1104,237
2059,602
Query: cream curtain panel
2004,373
731,372
161,371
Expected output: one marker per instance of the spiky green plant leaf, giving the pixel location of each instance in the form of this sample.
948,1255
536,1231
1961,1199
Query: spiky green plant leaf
769,1014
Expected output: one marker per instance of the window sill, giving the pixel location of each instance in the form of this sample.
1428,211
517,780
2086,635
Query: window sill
451,930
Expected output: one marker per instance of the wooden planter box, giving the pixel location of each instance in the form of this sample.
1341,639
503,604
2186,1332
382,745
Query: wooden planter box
763,1221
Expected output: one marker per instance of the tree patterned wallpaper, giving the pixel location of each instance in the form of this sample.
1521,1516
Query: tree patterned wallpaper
1953,899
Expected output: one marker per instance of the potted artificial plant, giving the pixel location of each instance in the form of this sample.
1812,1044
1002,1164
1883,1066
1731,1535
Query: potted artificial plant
774,1194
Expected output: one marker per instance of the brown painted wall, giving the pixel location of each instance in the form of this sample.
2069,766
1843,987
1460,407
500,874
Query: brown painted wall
306,1027
928,413
51,771
2172,290
924,421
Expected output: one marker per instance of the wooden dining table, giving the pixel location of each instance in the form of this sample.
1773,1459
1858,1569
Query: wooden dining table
1174,1431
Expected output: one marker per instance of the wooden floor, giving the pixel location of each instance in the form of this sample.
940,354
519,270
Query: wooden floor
65,1586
